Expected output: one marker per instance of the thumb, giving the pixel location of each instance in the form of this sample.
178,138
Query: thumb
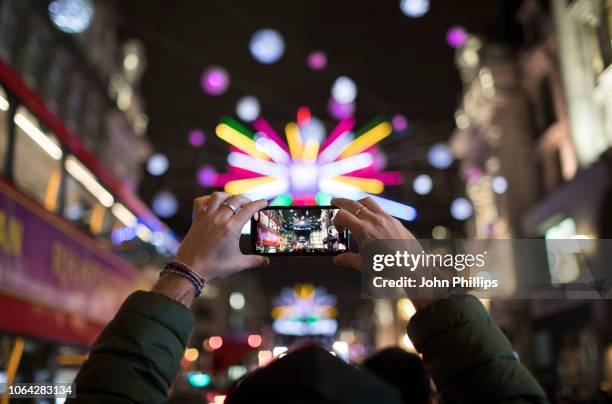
253,261
348,259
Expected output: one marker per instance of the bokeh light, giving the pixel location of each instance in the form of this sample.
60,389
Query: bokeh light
237,301
422,184
344,90
456,36
267,46
440,156
440,233
461,209
206,176
196,138
199,379
317,60
254,340
399,123
165,204
215,342
339,110
215,80
157,164
414,8
314,129
191,354
499,184
248,108
71,16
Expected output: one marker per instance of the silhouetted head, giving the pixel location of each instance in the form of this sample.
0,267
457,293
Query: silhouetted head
312,375
187,397
402,370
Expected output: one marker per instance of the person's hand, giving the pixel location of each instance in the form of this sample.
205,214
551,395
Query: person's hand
367,221
211,246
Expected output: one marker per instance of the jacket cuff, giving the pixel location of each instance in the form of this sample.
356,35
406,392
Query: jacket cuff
161,309
443,315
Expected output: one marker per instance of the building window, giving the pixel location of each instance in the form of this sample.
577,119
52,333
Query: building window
86,200
548,114
11,11
56,81
74,104
34,57
4,124
34,144
606,31
563,267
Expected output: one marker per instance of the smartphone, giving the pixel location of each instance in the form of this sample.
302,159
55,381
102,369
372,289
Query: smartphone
298,231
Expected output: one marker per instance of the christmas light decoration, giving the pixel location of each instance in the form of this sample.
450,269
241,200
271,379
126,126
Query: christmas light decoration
308,168
304,310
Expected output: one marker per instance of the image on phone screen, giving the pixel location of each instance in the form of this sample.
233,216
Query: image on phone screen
297,230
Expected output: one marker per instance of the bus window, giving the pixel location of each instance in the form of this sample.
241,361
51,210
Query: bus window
36,167
86,201
4,106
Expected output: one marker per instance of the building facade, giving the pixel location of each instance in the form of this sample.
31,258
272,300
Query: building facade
89,79
537,115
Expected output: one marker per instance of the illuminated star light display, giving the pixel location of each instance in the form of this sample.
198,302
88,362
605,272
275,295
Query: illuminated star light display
304,310
307,170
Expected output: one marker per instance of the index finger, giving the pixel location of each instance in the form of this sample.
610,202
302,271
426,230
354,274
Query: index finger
346,220
346,204
247,211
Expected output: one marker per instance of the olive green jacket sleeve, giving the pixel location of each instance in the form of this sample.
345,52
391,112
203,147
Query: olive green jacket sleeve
468,357
138,354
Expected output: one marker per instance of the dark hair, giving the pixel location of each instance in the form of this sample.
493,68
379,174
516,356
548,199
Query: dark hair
402,370
187,397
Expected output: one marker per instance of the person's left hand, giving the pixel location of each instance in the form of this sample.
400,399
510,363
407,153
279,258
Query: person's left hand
211,246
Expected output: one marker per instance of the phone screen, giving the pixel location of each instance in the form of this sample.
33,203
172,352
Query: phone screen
297,230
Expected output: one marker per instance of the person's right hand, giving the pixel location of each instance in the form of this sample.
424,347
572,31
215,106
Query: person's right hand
211,246
367,221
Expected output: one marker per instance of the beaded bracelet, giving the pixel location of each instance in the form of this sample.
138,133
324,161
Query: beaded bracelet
178,265
197,282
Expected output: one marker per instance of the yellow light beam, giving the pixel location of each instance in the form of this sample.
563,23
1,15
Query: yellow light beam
311,151
53,189
370,185
238,187
294,140
13,364
237,139
97,218
368,139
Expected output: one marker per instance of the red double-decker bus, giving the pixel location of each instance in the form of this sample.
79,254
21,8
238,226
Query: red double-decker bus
74,242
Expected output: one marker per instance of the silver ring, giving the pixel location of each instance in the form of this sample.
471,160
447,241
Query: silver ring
229,205
358,211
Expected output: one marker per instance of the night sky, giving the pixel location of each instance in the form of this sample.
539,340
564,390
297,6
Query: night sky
400,65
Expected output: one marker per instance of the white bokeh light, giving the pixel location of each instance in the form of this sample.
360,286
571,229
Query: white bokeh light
157,164
313,130
71,16
440,156
414,8
165,204
237,301
344,90
267,46
248,108
422,184
461,209
499,184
